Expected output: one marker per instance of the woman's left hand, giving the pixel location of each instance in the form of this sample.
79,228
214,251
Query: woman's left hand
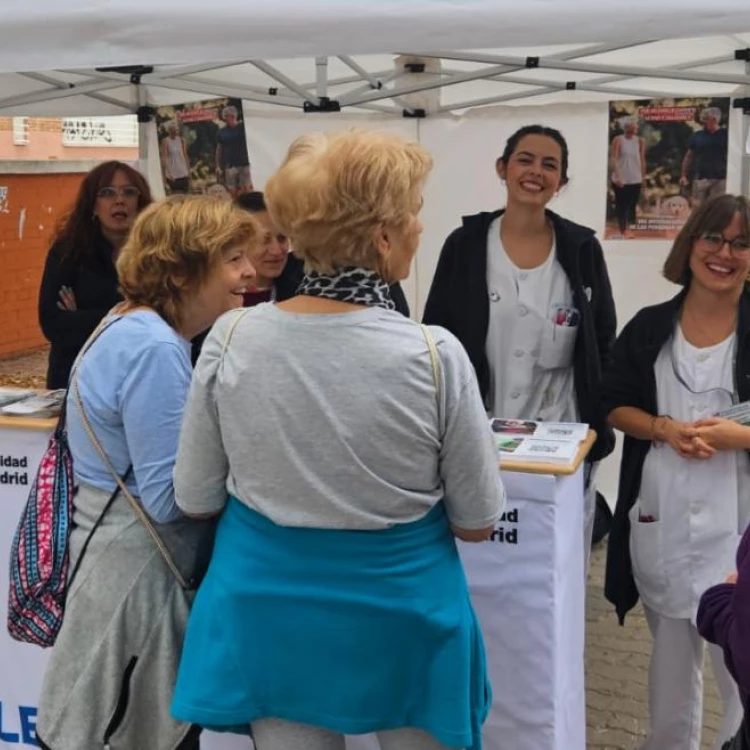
731,578
723,434
66,299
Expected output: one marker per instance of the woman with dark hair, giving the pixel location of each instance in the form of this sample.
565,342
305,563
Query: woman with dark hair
528,295
684,496
79,284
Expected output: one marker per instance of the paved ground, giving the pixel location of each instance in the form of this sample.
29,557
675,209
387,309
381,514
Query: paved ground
616,657
617,673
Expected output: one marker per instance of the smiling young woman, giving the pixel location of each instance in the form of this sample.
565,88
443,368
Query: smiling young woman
528,295
684,497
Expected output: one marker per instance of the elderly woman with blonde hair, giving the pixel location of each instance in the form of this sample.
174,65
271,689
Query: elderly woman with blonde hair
346,448
111,674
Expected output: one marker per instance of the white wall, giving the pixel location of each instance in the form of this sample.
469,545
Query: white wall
464,182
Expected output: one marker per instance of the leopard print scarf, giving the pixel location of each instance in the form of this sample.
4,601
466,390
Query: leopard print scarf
357,285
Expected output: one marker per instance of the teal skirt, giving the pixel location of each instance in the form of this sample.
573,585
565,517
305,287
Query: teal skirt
351,631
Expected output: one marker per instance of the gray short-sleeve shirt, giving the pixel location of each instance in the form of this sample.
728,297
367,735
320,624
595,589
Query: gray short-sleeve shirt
331,421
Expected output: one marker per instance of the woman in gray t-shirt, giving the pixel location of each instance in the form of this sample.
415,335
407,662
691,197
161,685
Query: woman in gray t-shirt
345,447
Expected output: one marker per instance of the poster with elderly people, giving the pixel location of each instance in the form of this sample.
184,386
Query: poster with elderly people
203,148
666,156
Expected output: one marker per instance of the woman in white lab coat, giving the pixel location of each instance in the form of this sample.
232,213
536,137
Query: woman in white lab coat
527,293
684,497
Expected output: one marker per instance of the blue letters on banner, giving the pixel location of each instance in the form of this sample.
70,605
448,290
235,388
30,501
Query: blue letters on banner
26,734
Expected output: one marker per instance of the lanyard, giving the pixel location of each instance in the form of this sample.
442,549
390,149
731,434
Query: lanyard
681,380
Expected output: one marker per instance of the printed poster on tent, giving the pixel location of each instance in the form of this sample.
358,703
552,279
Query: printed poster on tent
203,148
666,156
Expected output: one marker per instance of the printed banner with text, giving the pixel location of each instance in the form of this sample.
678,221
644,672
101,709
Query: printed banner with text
666,157
203,148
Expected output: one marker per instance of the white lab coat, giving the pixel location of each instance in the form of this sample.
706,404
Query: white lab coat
701,508
530,355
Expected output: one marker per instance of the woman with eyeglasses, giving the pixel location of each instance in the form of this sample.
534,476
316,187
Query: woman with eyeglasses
79,284
684,496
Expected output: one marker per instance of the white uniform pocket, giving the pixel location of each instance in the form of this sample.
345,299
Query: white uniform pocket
557,346
646,558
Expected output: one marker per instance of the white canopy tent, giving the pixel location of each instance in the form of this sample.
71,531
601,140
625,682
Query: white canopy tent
300,65
58,58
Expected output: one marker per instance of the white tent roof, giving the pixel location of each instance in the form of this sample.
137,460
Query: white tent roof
51,53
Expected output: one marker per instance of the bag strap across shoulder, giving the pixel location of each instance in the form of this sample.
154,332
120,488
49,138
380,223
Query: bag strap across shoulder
435,362
232,328
120,481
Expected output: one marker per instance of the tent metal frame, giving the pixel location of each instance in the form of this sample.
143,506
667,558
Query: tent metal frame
382,91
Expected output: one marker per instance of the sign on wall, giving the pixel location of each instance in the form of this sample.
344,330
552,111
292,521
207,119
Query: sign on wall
666,157
119,131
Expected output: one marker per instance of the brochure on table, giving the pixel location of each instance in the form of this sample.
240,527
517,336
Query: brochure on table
543,442
23,402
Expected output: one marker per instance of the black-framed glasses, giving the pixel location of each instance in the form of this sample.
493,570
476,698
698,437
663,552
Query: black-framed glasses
715,241
126,191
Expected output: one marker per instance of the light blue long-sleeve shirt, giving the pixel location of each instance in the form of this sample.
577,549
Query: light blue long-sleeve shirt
133,384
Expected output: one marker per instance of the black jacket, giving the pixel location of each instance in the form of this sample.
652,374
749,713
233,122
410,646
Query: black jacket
459,301
286,287
631,381
94,285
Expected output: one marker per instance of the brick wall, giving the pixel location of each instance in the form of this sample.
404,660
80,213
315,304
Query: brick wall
28,217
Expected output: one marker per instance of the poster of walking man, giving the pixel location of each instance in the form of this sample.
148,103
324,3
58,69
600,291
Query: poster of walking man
203,148
665,157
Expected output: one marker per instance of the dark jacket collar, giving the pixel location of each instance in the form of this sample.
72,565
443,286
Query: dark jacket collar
574,234
664,317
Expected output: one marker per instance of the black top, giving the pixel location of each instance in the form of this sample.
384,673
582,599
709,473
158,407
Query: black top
233,146
459,301
631,381
286,286
94,285
709,154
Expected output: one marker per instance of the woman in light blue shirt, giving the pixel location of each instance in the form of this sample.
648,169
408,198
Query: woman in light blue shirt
111,674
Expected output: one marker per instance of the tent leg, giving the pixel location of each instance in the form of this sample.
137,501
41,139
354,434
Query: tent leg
143,139
745,168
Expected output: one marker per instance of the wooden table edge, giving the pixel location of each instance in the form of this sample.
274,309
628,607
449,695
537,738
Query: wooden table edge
533,467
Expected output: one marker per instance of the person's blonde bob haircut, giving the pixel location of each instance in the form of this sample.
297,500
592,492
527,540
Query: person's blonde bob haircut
174,246
334,191
711,217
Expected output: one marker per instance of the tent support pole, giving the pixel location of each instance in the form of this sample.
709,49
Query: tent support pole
745,164
583,67
321,77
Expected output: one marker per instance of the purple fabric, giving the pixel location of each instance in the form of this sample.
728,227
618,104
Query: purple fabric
724,619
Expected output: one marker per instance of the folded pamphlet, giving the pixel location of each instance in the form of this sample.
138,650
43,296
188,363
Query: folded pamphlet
739,413
38,405
11,395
